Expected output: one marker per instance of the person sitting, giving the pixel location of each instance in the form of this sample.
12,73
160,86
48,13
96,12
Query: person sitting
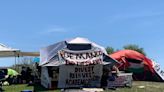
108,76
112,76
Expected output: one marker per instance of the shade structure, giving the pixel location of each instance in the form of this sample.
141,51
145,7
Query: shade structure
49,55
35,54
8,52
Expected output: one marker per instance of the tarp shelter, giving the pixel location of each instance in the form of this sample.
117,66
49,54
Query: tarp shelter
135,62
72,51
49,55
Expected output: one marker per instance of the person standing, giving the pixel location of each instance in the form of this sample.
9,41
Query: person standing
23,75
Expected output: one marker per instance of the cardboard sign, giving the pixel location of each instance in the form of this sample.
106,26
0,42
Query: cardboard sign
81,57
123,79
80,76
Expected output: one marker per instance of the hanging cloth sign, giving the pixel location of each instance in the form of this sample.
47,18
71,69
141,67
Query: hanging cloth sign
81,57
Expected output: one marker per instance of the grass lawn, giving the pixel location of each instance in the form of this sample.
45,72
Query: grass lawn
138,86
17,88
141,86
20,87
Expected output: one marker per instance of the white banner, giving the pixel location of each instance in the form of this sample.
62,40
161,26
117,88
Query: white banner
81,57
158,69
80,76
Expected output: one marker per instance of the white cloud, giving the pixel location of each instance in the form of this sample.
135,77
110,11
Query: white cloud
59,30
136,15
54,29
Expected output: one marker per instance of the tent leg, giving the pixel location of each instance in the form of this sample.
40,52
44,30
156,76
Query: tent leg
15,62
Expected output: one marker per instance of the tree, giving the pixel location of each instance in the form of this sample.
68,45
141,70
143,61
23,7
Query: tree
135,48
110,50
24,61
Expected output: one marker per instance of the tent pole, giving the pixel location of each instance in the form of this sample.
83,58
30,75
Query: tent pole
15,62
15,59
18,63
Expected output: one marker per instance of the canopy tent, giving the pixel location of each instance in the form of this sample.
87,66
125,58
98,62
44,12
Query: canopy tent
49,55
35,54
67,57
135,62
8,52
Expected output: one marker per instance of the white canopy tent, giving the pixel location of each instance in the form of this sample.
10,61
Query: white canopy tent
8,52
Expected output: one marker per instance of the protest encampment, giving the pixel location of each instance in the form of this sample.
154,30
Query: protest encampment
81,46
74,63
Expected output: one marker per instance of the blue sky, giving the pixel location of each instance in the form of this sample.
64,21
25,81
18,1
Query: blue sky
31,24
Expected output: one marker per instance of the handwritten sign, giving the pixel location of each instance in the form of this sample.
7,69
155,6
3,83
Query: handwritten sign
123,79
158,69
79,76
81,57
